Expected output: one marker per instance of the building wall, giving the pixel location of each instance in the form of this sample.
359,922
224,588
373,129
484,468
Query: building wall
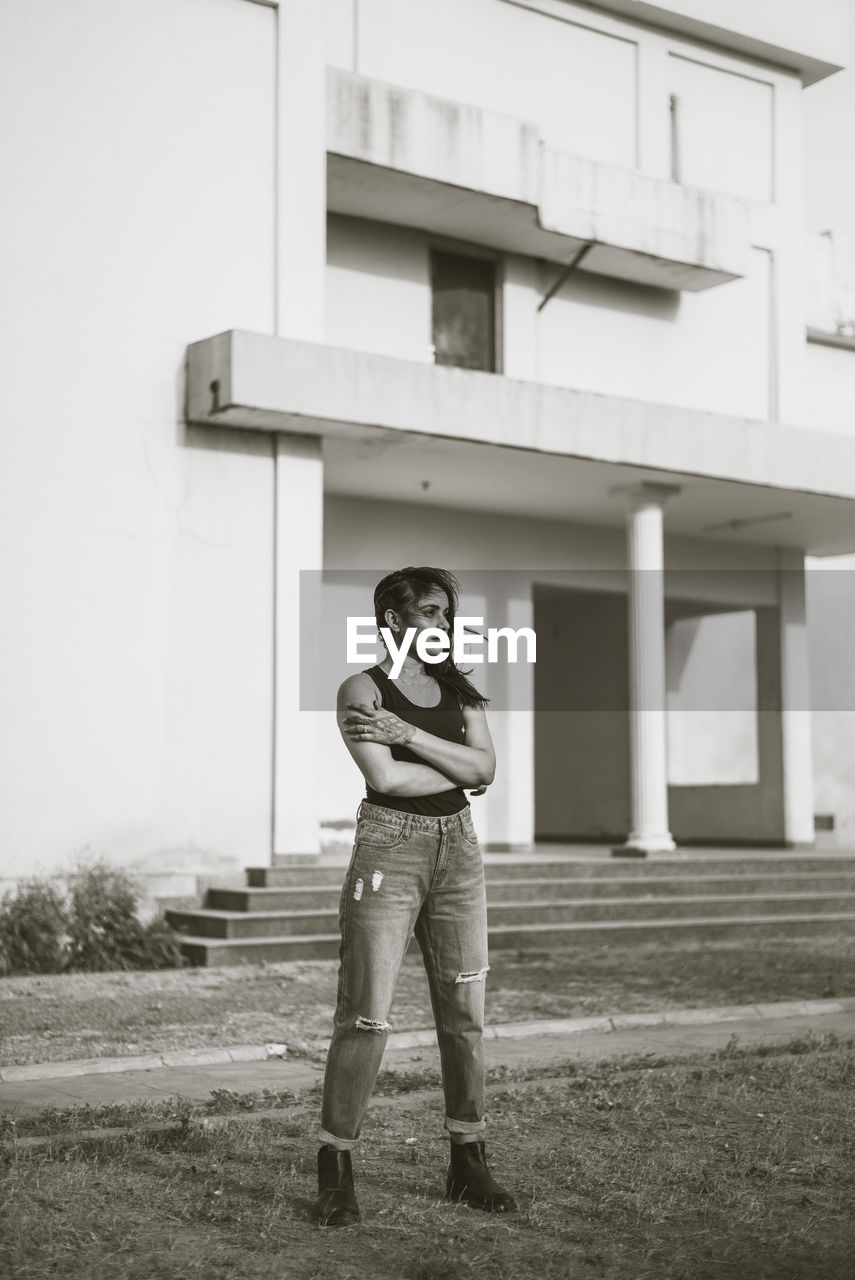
706,351
378,289
595,85
665,104
137,217
831,614
724,125
830,388
574,79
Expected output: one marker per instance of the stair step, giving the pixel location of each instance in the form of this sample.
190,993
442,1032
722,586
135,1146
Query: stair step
219,951
706,928
753,864
556,911
288,898
323,896
585,868
207,923
296,877
671,886
212,923
209,951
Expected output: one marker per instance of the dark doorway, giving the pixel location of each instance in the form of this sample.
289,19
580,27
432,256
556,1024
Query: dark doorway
581,735
464,311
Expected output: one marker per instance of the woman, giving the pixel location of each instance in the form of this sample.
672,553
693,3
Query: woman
416,866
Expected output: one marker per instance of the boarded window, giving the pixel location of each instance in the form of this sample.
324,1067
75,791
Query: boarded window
464,311
711,700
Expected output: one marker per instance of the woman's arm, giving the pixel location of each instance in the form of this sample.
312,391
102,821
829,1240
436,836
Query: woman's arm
374,758
469,764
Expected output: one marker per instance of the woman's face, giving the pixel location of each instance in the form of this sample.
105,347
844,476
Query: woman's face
430,608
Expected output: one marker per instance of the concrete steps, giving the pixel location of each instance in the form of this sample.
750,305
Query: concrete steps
291,912
538,889
579,867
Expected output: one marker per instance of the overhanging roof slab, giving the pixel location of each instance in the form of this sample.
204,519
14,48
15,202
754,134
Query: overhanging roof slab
811,38
257,382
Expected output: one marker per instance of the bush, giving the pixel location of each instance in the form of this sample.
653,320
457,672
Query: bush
33,929
104,931
159,948
92,927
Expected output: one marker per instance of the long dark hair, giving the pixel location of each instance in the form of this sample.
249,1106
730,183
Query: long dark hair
400,590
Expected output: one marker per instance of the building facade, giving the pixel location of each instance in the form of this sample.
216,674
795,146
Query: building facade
514,286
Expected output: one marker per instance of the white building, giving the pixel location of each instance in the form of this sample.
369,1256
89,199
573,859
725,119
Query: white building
495,284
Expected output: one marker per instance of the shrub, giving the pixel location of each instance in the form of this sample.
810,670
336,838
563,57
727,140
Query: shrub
93,926
103,923
159,947
33,929
104,931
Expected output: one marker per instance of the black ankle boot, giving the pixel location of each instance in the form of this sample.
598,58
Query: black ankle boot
336,1204
470,1181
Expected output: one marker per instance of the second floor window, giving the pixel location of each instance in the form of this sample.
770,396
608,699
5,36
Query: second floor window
464,310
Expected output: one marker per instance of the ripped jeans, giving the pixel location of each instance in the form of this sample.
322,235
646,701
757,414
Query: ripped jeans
409,873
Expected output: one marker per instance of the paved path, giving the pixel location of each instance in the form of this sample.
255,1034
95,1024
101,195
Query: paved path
248,1068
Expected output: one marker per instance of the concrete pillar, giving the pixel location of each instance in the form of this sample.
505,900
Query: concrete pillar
797,761
510,686
300,231
647,742
297,780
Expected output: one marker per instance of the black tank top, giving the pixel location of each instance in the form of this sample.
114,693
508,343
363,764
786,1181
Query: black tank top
445,720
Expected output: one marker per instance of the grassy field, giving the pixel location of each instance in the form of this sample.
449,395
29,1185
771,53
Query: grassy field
737,1165
110,1015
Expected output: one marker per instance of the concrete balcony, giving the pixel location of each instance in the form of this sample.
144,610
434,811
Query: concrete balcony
398,155
524,447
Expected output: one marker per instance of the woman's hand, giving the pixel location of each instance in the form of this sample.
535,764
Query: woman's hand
376,724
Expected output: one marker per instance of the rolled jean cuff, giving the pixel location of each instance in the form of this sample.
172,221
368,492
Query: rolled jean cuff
340,1144
465,1130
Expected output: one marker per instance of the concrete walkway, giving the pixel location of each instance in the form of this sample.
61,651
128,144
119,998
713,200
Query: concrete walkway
193,1075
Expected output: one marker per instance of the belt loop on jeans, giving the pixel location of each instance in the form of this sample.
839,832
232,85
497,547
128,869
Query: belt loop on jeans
359,811
408,825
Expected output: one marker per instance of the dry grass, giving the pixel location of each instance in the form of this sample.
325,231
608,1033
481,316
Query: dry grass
116,1014
737,1164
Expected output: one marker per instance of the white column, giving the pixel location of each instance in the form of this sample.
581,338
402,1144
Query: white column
796,744
647,743
300,231
297,784
510,800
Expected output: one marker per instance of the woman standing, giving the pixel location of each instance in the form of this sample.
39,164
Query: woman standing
419,741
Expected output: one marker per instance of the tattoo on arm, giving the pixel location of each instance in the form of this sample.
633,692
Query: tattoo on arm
395,730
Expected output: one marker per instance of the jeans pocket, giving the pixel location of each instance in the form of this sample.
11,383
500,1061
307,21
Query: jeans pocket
467,827
376,835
